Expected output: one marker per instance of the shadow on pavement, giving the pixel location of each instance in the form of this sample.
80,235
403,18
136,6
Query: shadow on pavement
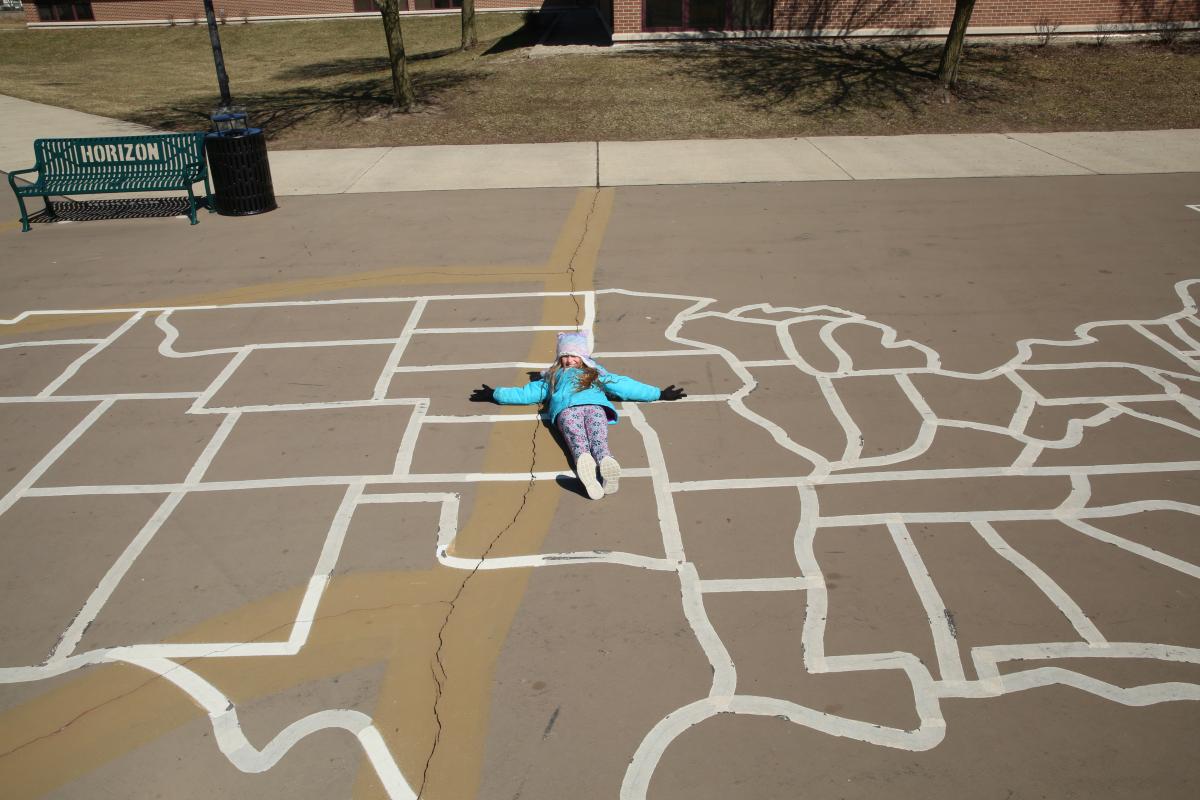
66,210
572,485
120,208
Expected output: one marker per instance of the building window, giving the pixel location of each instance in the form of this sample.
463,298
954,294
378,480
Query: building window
752,15
707,15
365,6
68,11
664,13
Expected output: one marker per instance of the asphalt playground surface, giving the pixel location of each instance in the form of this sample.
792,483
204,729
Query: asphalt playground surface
925,526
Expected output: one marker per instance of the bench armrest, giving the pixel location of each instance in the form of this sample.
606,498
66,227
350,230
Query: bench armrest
196,172
16,172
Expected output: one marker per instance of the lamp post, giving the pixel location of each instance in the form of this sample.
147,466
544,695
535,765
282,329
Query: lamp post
218,58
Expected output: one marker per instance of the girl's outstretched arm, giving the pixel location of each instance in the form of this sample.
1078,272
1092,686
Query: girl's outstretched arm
623,388
530,393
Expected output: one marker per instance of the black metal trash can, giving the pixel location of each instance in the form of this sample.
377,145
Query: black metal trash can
241,175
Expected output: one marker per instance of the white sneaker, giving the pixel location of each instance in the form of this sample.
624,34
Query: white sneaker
585,469
610,473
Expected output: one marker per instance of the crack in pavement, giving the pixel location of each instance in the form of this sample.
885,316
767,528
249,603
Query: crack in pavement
438,668
184,663
570,270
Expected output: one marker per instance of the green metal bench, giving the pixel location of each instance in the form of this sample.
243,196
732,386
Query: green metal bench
114,164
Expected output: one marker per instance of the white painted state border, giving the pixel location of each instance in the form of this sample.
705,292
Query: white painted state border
1073,510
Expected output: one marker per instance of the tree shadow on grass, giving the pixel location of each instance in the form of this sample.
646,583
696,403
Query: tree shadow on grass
822,78
525,36
347,67
280,111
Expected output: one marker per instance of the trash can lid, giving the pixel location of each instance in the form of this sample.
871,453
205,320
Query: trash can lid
236,132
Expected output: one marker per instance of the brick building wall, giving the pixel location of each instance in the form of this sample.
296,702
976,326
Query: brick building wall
187,10
628,16
847,16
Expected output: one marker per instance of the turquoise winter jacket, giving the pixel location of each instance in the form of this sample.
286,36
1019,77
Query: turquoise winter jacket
566,394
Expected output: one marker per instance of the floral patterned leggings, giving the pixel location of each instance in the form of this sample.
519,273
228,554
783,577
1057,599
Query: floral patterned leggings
584,428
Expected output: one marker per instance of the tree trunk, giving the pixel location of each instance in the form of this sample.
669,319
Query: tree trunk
948,69
218,56
469,36
402,89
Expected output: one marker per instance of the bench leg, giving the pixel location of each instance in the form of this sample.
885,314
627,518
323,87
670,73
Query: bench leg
209,200
49,207
192,207
24,214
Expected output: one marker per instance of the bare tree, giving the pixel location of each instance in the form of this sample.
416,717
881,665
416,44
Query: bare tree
952,54
402,89
469,35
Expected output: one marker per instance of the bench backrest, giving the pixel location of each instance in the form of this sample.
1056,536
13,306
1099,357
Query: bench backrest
119,156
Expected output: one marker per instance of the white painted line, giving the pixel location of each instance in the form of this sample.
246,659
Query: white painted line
408,443
389,368
320,406
22,486
589,319
312,480
455,419
219,381
1187,360
100,398
49,343
473,367
755,585
1150,694
1004,515
1054,593
1177,564
813,634
108,584
724,681
1081,493
74,366
667,521
652,353
944,644
1073,510
486,330
242,754
1184,336
886,476
325,564
60,312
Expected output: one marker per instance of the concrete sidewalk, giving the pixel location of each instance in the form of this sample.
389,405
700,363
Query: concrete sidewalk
577,164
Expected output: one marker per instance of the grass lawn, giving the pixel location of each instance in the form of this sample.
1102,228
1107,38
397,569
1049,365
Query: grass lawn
326,84
12,20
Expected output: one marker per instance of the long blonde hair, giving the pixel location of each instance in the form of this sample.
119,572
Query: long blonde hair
590,376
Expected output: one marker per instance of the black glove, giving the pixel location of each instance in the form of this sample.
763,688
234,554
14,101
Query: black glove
484,394
672,392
